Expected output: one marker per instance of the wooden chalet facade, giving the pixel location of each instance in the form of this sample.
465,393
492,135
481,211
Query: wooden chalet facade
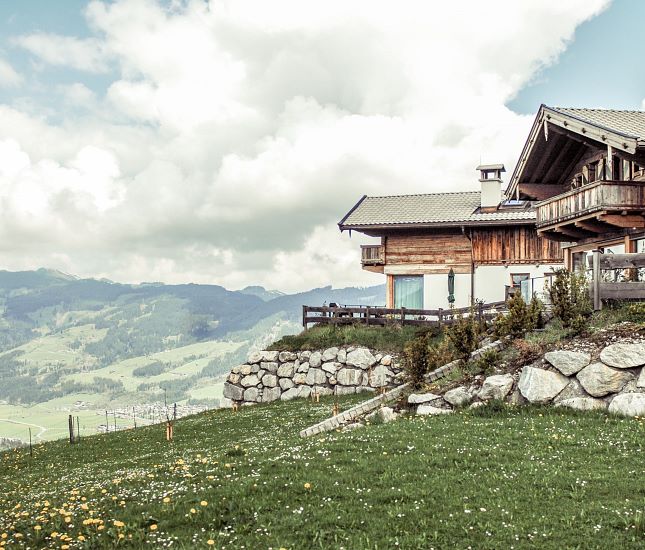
489,243
586,167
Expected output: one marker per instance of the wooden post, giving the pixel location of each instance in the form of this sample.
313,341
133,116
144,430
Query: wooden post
597,298
169,431
114,415
440,316
304,316
402,316
174,412
70,425
107,426
367,316
78,429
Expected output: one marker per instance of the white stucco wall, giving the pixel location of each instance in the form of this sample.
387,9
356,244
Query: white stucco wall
435,291
491,280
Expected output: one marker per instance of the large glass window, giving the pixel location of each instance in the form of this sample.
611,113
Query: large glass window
408,291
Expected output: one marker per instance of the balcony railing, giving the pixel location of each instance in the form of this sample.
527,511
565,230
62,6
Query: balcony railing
372,254
601,196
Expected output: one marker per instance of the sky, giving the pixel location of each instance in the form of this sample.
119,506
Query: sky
221,142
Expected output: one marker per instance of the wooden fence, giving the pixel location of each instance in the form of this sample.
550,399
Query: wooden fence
630,288
379,316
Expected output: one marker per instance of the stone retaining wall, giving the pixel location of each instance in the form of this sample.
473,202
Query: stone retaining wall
271,375
612,381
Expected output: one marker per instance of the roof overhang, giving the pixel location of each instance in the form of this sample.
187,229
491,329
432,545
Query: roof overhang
547,116
435,225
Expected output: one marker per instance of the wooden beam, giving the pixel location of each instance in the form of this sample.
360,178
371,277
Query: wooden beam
561,155
593,226
551,235
571,231
574,160
551,146
627,221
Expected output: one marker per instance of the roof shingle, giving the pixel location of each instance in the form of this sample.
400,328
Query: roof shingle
428,209
627,123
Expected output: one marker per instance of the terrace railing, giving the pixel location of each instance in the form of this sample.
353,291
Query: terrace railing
372,254
380,316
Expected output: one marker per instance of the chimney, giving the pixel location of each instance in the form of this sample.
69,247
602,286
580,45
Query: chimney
491,184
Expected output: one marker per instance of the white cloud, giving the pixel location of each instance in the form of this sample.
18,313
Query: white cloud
9,77
83,54
237,133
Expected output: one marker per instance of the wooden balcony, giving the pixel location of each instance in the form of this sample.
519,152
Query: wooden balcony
599,208
372,254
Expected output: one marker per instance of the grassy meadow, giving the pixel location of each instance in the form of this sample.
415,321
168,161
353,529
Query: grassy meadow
494,477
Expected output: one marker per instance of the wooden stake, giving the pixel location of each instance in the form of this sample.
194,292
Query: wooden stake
169,430
70,425
235,406
336,409
78,429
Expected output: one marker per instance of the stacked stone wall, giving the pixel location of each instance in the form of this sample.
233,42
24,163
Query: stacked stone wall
271,375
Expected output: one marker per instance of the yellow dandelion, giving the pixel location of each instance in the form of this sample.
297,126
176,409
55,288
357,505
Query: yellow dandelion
166,500
37,527
193,511
65,547
153,527
203,503
118,523
121,535
68,519
81,538
307,486
210,542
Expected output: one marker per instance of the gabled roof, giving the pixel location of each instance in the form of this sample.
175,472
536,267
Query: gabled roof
626,123
623,130
429,210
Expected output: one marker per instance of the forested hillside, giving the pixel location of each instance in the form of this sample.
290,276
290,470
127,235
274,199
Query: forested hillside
87,345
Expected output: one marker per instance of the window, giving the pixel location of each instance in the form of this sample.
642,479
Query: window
408,291
517,278
593,171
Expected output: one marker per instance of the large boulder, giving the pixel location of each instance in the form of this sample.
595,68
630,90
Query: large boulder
331,367
233,378
541,386
232,392
271,356
298,391
380,376
254,357
496,387
251,394
628,404
598,379
286,356
386,360
315,359
322,390
299,378
329,354
349,377
573,390
271,394
303,367
250,380
427,409
345,390
286,383
568,362
245,370
342,356
458,397
624,356
270,366
270,381
361,358
316,376
419,398
286,370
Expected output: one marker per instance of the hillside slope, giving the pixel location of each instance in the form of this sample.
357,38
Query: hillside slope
83,346
519,478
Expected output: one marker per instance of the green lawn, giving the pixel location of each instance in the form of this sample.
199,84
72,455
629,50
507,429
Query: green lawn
519,478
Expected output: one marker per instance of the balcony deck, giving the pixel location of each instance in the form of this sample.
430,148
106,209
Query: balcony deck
599,208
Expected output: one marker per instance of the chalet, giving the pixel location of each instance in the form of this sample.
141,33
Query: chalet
586,167
443,249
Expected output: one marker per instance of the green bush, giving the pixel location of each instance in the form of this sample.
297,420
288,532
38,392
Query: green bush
569,294
520,319
415,359
485,364
464,334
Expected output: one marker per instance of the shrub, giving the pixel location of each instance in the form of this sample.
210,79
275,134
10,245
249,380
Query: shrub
464,334
536,311
636,312
485,364
415,359
525,352
440,354
569,294
520,319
